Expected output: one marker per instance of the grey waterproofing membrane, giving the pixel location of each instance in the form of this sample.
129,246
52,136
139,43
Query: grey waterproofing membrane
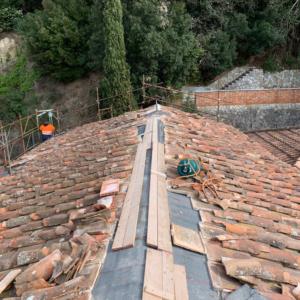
198,279
122,276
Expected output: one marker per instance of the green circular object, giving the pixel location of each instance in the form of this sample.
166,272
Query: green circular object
188,167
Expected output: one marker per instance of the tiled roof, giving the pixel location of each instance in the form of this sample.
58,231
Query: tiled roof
284,144
52,203
251,230
54,231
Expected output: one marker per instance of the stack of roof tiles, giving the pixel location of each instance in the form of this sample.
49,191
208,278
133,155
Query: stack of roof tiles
251,230
53,227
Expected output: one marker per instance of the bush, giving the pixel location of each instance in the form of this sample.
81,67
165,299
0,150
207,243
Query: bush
220,54
57,38
8,18
272,64
160,44
16,89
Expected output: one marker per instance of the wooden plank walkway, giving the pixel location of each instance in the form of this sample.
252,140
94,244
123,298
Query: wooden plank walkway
160,272
126,231
159,275
158,234
181,290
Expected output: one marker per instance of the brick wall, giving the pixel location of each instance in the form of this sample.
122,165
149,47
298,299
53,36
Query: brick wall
248,97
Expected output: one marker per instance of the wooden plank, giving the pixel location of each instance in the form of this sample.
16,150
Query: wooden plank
147,296
187,238
181,290
126,231
121,230
153,194
130,234
159,275
153,283
168,276
158,217
8,279
164,234
148,134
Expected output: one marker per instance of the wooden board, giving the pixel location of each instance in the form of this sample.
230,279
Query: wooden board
168,276
159,276
126,231
181,290
147,296
153,284
8,279
158,235
187,238
164,230
153,201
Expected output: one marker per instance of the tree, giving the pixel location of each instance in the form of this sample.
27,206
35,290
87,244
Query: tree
16,89
220,54
232,31
8,18
116,71
24,5
96,44
57,38
160,42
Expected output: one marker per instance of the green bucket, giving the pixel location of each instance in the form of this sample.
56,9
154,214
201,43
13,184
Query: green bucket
188,167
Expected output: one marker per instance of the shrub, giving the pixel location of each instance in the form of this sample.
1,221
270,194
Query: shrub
8,18
16,89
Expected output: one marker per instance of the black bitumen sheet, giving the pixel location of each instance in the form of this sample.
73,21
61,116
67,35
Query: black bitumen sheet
198,280
122,275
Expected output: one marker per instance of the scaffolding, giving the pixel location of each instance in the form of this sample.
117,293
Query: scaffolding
22,135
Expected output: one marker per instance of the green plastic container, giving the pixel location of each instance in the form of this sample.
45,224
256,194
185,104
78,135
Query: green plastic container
188,167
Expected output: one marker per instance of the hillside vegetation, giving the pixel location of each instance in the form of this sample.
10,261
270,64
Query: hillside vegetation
172,42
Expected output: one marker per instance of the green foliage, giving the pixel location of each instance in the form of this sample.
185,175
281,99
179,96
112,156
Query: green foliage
220,53
244,29
17,4
57,38
96,48
116,71
8,18
16,89
160,42
271,64
190,106
263,36
292,62
24,5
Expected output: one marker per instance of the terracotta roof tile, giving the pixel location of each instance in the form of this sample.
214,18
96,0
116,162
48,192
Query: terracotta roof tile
256,229
51,203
